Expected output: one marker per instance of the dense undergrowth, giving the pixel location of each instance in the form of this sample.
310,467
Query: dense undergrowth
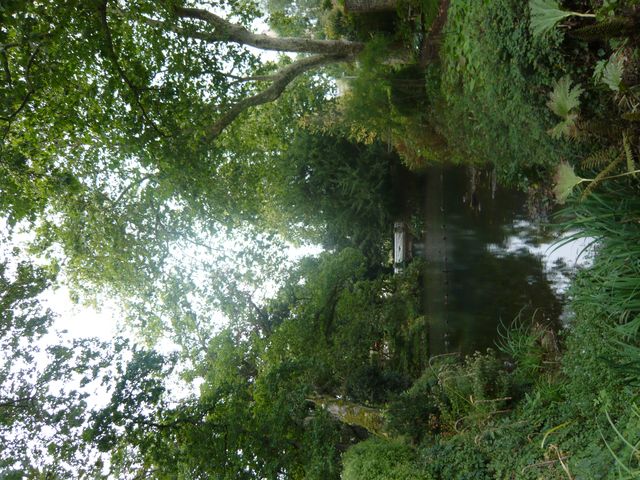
490,104
543,404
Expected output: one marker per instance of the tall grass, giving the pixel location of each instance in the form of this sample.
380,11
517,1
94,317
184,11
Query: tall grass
612,219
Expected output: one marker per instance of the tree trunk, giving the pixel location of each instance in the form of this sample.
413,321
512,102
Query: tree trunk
371,419
369,6
221,30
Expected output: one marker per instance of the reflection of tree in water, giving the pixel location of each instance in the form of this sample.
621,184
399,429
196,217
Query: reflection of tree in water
486,289
487,286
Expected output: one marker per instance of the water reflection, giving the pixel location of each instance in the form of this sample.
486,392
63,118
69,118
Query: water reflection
486,262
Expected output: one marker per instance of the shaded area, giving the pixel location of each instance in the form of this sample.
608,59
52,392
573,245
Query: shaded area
474,279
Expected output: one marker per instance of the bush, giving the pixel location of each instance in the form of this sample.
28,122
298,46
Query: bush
407,89
377,459
457,459
495,78
414,412
472,392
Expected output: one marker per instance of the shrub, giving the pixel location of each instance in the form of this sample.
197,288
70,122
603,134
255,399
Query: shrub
457,458
377,459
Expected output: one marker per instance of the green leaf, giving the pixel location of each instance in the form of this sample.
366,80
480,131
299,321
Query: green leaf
565,179
612,72
544,15
564,98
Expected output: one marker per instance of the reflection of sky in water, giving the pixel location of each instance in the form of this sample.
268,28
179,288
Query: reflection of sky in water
560,258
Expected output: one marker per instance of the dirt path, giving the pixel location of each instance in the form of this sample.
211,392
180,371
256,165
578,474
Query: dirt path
432,40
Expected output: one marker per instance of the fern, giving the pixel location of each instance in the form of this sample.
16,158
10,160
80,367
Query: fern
600,159
628,153
604,174
613,27
546,13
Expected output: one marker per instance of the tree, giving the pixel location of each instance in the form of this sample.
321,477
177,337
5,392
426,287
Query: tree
160,71
43,385
340,192
284,400
111,122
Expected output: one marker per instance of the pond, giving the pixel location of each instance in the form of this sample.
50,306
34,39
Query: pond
486,262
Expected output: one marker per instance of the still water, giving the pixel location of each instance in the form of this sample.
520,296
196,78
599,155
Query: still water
487,262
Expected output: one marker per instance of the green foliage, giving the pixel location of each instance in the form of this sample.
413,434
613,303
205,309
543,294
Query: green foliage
339,190
565,179
388,104
521,341
470,393
610,72
545,14
489,104
44,386
627,456
611,27
606,217
407,90
350,334
600,159
377,459
631,116
457,458
415,412
564,100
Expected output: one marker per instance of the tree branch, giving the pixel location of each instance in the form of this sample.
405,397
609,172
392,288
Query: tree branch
7,70
225,31
13,403
251,78
282,78
13,115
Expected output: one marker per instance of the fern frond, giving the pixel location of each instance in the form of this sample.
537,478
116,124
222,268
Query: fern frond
610,28
600,159
601,176
628,153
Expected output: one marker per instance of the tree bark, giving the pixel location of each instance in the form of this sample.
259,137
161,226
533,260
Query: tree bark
371,419
370,6
224,31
